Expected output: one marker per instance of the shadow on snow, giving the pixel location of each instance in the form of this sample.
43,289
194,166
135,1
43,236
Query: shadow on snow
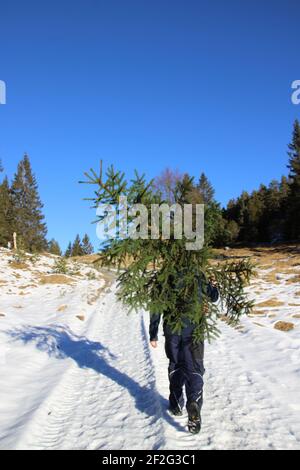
61,343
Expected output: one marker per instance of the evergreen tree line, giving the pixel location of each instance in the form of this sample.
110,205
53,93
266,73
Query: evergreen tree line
79,247
271,213
267,215
21,212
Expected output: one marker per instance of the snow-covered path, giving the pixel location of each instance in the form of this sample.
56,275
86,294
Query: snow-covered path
248,405
106,395
77,373
109,391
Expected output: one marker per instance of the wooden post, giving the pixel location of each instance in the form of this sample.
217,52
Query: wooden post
15,241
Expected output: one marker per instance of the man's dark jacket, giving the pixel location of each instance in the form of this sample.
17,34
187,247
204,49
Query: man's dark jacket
212,294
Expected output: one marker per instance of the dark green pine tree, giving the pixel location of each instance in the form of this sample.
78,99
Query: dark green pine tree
54,248
159,274
293,225
87,247
77,249
6,213
68,252
28,217
206,189
214,222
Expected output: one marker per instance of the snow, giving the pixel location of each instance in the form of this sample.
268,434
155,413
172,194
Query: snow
96,384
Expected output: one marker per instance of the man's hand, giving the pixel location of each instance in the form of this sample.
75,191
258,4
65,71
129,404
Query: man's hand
213,282
153,344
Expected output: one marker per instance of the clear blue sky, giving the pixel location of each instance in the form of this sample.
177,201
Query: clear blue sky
197,85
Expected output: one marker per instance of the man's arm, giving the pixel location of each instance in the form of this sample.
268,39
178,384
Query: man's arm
212,292
154,324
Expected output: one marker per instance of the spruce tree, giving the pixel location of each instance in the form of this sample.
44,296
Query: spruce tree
68,252
6,213
87,247
293,228
54,248
206,189
161,275
28,217
77,249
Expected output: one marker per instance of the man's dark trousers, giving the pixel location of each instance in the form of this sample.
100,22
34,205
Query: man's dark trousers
186,367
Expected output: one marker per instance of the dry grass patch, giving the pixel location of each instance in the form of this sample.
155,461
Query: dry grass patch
284,326
264,267
2,314
28,286
62,308
271,303
16,265
2,283
259,312
296,315
80,317
282,265
86,259
56,279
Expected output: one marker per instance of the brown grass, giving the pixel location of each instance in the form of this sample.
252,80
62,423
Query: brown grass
28,286
87,259
259,312
270,303
16,265
56,279
62,308
284,326
80,317
296,315
264,267
2,283
2,314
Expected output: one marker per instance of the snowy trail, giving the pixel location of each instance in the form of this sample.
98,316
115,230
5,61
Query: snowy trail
107,396
104,389
244,405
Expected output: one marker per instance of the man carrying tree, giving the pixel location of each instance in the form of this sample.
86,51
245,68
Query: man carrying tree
161,276
186,358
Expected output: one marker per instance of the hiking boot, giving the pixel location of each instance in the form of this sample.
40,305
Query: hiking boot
194,422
